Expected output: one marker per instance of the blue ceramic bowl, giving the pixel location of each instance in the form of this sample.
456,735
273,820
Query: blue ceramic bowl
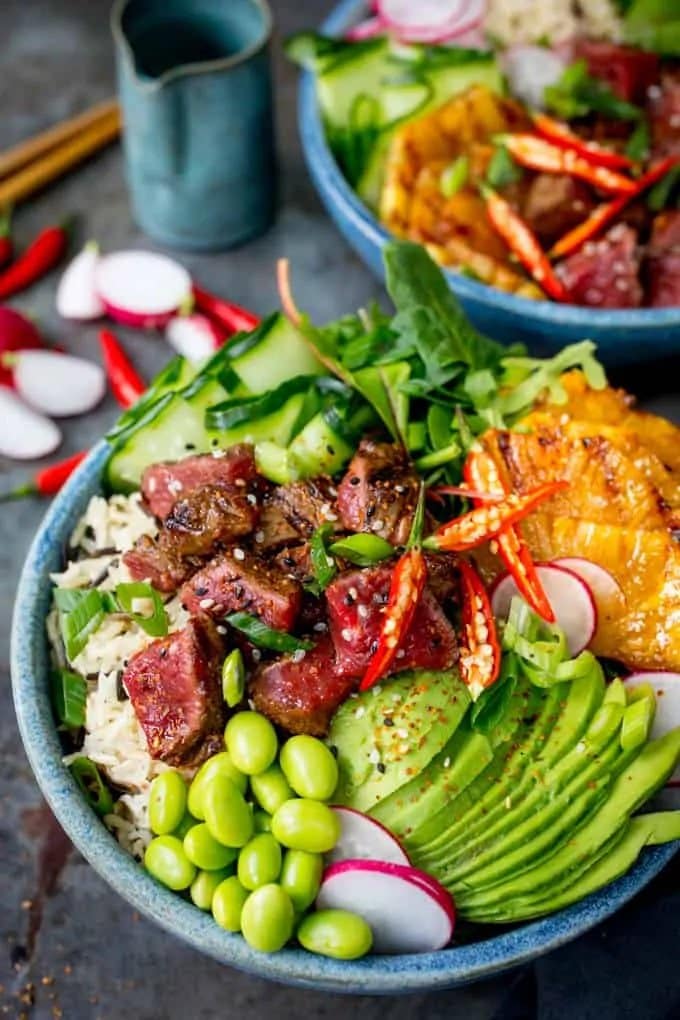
622,336
375,974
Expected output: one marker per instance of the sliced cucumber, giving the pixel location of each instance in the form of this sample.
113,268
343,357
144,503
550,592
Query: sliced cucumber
271,354
356,71
175,376
277,426
319,448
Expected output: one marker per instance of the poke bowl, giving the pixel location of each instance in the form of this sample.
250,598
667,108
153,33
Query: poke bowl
355,730
630,334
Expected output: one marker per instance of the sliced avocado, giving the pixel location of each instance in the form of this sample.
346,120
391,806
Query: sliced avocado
448,774
389,734
639,780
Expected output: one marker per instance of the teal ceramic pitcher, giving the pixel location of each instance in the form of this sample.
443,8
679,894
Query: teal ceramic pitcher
195,89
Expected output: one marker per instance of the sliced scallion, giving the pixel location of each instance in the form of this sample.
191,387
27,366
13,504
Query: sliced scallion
95,790
267,637
69,695
362,550
154,623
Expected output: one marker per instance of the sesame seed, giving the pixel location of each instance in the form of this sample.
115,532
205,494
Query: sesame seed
374,756
320,627
206,603
239,554
403,749
447,762
252,499
402,732
259,536
346,634
240,482
217,454
400,654
360,712
175,485
299,654
257,654
220,629
378,525
362,611
354,593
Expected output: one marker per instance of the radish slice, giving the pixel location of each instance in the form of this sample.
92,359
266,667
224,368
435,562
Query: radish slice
142,288
17,333
193,336
25,434
430,20
666,687
605,589
58,384
406,910
366,29
77,296
570,597
363,837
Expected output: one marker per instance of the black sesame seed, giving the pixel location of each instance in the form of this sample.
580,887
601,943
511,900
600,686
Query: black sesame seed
330,450
380,767
200,591
388,721
190,446
163,652
354,480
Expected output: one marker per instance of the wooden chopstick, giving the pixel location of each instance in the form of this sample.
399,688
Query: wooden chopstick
57,160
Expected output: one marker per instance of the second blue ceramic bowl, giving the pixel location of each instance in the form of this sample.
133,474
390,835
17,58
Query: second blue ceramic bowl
641,334
373,975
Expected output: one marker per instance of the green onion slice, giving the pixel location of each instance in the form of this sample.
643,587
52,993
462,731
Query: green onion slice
323,564
155,623
88,778
266,637
362,550
81,612
69,694
233,678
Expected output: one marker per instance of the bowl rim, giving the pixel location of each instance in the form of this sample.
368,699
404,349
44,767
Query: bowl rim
374,974
539,311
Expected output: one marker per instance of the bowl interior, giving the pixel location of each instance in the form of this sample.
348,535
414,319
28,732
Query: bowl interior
375,974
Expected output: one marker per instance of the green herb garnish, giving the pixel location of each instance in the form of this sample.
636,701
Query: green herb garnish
577,94
154,623
88,778
69,695
267,637
323,564
502,170
362,550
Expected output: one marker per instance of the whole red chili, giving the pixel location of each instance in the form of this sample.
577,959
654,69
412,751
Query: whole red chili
480,655
232,317
485,522
37,260
126,385
49,480
522,241
480,470
561,135
538,154
6,246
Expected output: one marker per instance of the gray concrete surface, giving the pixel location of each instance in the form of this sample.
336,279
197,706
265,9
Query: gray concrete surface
70,946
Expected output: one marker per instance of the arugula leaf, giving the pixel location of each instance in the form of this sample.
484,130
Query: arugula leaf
577,94
653,25
526,379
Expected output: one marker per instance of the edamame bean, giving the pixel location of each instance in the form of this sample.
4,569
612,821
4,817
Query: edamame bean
233,678
227,903
303,824
251,741
220,764
267,919
166,860
262,821
204,851
167,802
270,788
228,817
336,933
259,862
301,877
204,885
309,767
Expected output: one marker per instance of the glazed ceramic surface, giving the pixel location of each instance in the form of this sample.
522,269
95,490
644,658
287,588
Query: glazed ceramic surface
641,334
375,974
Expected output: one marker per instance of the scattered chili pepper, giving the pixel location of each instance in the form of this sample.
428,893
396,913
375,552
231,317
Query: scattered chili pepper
408,581
561,135
521,240
6,246
232,317
40,256
48,481
608,211
126,385
537,154
480,654
480,469
484,522
466,492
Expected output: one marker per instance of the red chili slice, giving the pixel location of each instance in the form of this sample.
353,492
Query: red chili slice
480,653
537,154
561,135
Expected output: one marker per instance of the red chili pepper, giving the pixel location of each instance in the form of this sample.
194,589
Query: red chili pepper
537,154
126,385
562,136
466,492
608,211
480,469
6,246
408,581
49,480
40,256
521,240
485,522
232,317
480,653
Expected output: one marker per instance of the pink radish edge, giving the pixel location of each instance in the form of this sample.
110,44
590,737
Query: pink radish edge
406,871
77,296
461,16
381,831
142,288
17,333
601,582
666,685
367,29
193,336
578,637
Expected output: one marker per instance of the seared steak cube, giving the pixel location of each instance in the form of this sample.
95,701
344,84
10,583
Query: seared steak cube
627,70
379,492
554,203
238,580
208,517
291,513
605,273
162,484
174,688
663,107
301,691
154,560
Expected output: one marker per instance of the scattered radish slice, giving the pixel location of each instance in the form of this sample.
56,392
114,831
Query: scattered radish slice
193,336
407,911
363,837
17,333
605,589
58,384
666,687
430,21
366,29
142,288
77,296
570,597
25,434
